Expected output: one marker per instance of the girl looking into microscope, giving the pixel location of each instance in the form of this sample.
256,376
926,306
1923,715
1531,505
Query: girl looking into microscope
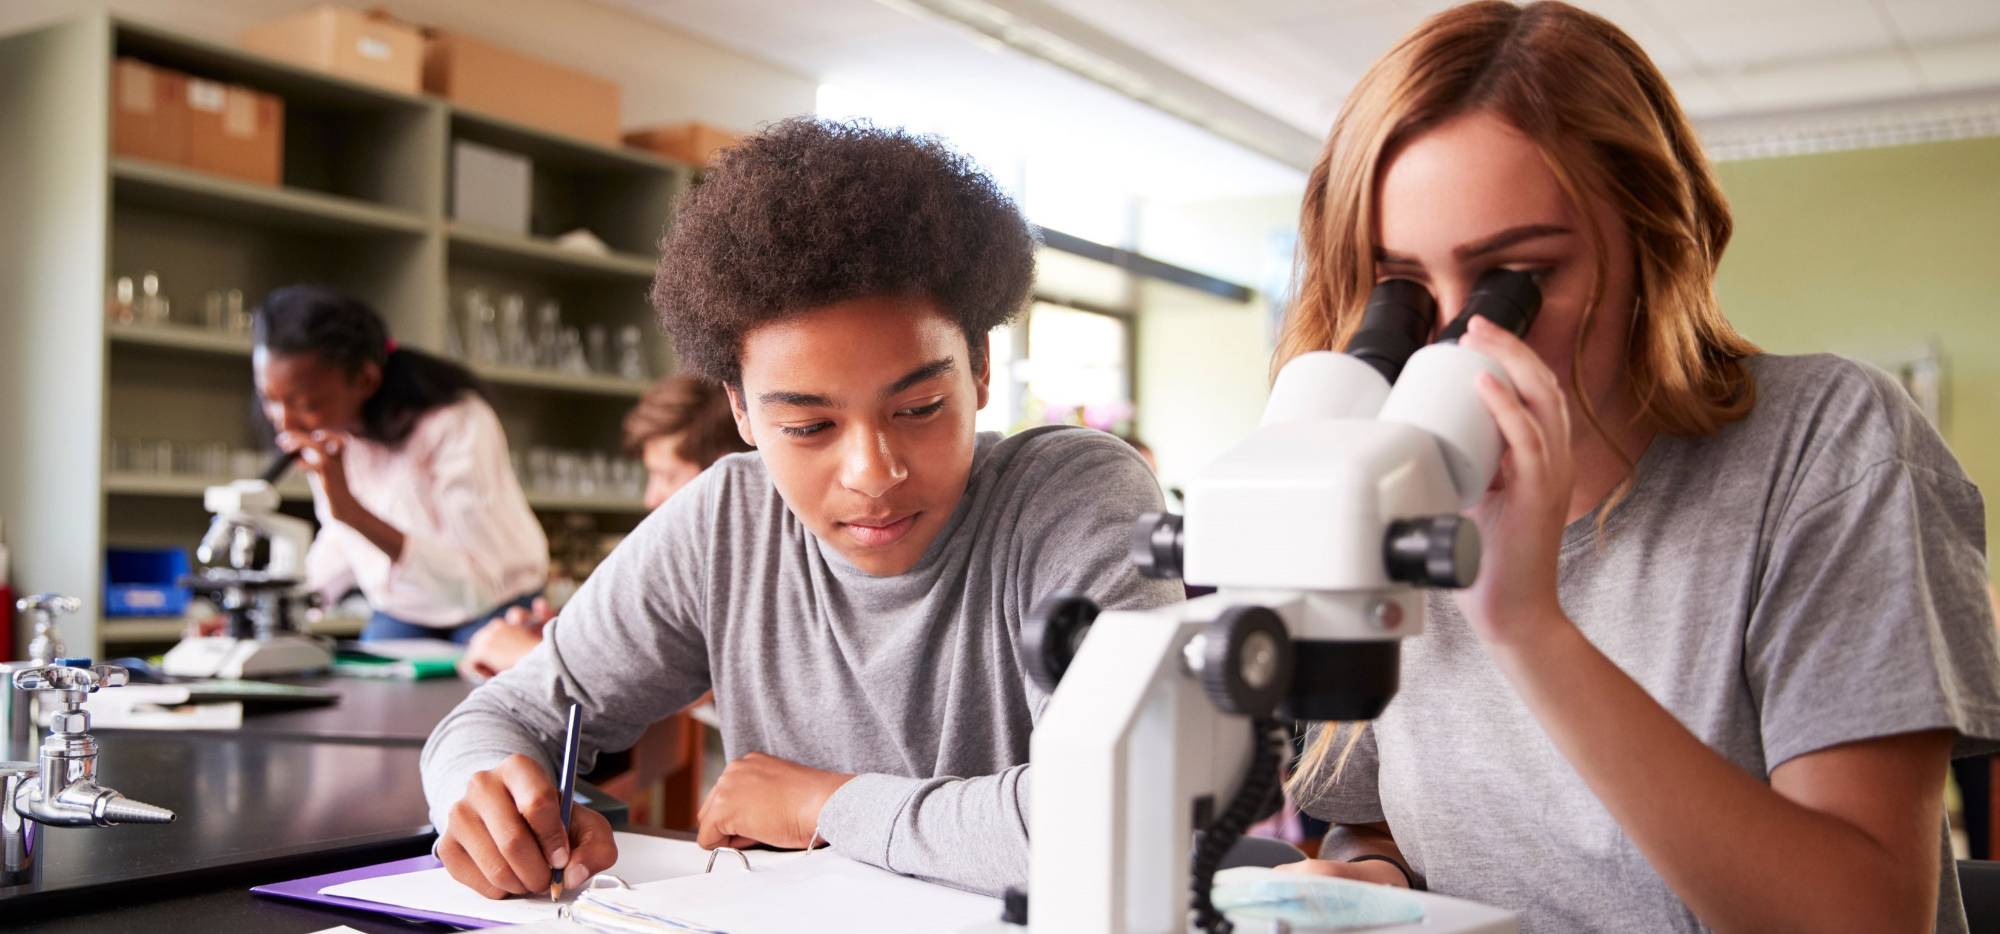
1733,619
411,481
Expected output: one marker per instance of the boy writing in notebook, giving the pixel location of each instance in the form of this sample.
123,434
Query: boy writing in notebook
853,589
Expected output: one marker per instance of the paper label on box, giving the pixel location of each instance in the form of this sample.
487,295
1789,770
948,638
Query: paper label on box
205,95
135,82
239,118
371,47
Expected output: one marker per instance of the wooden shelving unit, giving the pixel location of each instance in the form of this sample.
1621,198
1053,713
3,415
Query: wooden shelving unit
171,188
175,337
485,246
136,630
554,381
290,489
364,207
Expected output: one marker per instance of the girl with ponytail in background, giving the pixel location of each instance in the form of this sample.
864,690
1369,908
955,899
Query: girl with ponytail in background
412,484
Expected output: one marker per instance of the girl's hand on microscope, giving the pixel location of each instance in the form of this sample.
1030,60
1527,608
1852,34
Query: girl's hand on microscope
1521,519
324,454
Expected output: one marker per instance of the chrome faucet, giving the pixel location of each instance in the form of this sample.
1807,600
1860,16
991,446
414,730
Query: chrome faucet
23,734
61,789
47,645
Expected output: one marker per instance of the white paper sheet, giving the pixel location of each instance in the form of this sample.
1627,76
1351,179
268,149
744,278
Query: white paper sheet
822,892
159,707
408,650
641,858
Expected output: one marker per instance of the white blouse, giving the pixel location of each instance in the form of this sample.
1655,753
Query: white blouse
470,542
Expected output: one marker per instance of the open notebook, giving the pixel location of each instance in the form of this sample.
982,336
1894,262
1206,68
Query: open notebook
669,891
821,892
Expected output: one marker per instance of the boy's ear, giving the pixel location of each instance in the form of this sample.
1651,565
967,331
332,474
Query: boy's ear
735,393
982,379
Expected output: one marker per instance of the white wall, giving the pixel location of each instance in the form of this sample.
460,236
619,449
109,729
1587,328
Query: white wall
1203,362
1201,382
667,76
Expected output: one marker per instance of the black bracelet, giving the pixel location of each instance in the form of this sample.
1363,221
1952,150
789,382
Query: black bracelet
1409,878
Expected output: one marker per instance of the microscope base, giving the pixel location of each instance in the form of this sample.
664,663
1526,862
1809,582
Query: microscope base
226,657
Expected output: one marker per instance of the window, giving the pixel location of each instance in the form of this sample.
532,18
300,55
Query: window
1078,368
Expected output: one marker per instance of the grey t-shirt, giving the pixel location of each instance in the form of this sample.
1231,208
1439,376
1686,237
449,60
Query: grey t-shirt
1811,575
912,681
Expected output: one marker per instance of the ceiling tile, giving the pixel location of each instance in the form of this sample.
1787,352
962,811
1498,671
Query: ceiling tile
1723,35
1356,40
1922,21
1868,77
1960,65
1636,20
1700,96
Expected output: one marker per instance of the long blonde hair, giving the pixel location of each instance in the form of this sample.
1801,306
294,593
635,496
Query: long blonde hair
1610,130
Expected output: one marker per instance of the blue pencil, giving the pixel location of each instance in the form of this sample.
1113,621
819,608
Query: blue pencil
571,734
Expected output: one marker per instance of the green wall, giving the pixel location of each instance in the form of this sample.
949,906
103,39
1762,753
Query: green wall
1870,254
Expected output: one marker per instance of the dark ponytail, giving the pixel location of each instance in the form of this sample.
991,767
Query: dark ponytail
344,332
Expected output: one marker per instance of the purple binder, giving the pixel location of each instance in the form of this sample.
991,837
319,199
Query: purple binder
307,890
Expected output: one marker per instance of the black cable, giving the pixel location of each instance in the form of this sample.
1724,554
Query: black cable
1269,743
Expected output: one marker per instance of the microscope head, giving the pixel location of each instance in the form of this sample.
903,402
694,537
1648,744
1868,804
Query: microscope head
247,497
249,539
1344,504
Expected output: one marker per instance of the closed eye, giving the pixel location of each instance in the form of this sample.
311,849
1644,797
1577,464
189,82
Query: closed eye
923,410
805,431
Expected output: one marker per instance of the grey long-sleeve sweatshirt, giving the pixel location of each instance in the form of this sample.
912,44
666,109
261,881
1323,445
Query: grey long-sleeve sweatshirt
910,681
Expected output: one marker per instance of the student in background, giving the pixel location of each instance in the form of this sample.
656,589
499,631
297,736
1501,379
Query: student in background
853,591
1733,621
680,426
415,494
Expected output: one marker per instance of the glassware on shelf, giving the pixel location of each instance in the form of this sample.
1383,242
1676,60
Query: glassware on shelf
548,330
121,305
557,472
482,335
246,462
631,353
213,311
570,357
215,460
233,309
161,458
152,308
597,349
541,469
515,350
454,345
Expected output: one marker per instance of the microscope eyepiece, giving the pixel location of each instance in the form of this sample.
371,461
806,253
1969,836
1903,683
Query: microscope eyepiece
277,467
1396,324
1507,297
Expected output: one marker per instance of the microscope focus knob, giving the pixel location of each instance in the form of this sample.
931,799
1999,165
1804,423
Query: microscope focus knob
1433,551
1156,545
1052,633
1246,663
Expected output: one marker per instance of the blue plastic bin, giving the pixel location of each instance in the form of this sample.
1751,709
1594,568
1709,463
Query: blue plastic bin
145,581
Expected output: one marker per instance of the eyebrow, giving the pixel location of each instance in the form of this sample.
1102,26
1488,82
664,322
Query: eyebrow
807,400
1498,241
922,374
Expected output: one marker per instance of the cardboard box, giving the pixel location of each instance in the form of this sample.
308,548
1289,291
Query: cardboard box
695,143
490,187
345,42
485,77
235,131
149,117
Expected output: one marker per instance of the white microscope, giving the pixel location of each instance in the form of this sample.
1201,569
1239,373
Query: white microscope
1321,532
252,564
